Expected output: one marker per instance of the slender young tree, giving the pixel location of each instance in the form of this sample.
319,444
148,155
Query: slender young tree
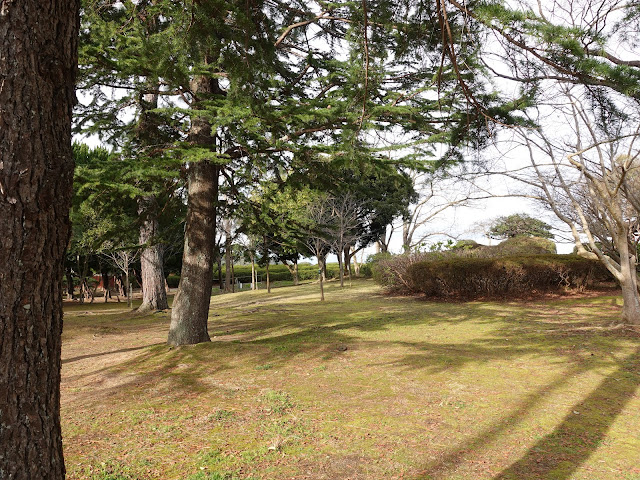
38,64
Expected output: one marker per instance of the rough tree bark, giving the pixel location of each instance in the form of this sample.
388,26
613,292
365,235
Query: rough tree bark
628,279
38,58
190,310
154,294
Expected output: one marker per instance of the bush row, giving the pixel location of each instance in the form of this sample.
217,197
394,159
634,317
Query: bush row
280,272
469,277
276,273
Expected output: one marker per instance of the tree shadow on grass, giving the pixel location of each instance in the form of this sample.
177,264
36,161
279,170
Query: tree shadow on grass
292,333
110,352
559,454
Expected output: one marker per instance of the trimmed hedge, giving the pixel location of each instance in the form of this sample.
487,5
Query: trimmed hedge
277,272
173,280
469,277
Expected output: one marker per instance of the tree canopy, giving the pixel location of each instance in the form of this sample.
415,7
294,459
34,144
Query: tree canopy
519,225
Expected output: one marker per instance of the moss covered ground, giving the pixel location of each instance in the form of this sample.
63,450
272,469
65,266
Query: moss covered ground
362,386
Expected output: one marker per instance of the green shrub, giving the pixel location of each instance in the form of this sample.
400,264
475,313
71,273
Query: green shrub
466,245
366,270
279,272
173,280
473,277
526,246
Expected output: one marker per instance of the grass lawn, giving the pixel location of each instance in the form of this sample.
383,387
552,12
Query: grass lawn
362,386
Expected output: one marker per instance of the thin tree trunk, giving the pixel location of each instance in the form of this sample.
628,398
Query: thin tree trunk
347,260
233,277
38,58
253,273
69,276
321,267
84,291
128,287
92,291
82,268
105,286
268,279
118,286
293,270
219,260
356,265
406,237
190,311
227,263
341,269
154,293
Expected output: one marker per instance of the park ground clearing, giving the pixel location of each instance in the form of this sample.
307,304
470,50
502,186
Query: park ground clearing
361,386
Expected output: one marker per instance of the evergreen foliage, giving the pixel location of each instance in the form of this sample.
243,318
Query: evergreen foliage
518,225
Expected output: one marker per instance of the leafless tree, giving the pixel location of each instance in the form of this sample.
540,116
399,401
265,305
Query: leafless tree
250,244
319,239
585,166
439,195
122,258
345,219
229,229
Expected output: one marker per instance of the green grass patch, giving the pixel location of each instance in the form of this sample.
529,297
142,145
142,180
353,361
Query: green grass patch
361,385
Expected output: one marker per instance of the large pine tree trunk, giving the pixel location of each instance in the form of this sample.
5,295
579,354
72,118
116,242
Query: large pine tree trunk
38,57
190,311
154,294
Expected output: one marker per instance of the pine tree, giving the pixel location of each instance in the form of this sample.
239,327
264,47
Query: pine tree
287,108
119,49
38,63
